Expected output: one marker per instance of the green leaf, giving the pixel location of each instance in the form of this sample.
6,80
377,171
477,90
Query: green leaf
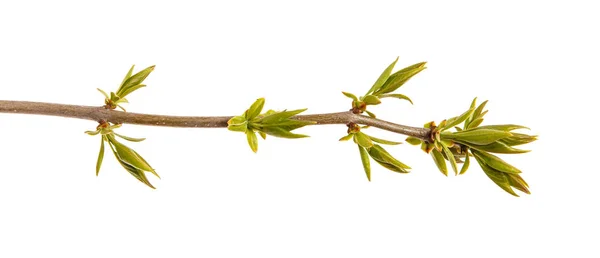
506,127
127,76
237,124
475,123
131,139
498,147
381,156
495,162
450,157
255,109
439,160
350,95
135,80
371,100
477,136
129,91
347,137
135,172
398,79
382,141
518,183
370,114
518,139
477,114
280,116
282,133
398,96
100,156
364,157
363,140
383,77
499,178
92,132
457,119
103,93
129,156
413,140
465,166
262,135
252,140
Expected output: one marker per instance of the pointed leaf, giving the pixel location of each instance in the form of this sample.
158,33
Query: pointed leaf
370,114
237,124
398,79
382,141
457,119
413,140
477,136
129,156
499,178
518,183
255,109
262,135
347,137
465,166
381,156
506,127
282,133
100,156
363,140
131,139
252,140
383,77
135,80
497,147
135,172
129,73
518,139
364,157
440,162
495,162
280,116
103,93
350,95
398,96
129,91
371,100
450,157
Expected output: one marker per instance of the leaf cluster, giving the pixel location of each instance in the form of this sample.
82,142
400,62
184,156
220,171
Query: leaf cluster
453,144
127,157
129,84
274,123
368,147
384,87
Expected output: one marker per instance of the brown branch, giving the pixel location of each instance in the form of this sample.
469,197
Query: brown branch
113,116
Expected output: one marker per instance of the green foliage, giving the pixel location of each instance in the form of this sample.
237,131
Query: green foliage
127,157
274,123
450,143
369,149
384,87
129,84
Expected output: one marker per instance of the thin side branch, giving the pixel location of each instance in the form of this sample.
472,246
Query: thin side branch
102,114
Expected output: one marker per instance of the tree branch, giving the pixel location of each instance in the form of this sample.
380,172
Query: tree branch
101,113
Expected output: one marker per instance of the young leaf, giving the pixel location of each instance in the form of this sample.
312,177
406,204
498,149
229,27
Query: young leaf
282,133
440,162
237,124
347,137
398,96
450,157
382,141
371,100
100,156
382,78
135,172
127,76
465,166
364,157
518,139
413,140
350,95
252,140
398,79
370,114
103,93
262,135
135,80
129,91
495,162
477,136
498,147
507,127
275,117
385,159
129,156
457,119
255,109
499,178
363,140
131,139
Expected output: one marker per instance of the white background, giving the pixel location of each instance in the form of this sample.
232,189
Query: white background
537,63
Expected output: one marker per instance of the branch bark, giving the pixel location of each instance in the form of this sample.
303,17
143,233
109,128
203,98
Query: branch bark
100,113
